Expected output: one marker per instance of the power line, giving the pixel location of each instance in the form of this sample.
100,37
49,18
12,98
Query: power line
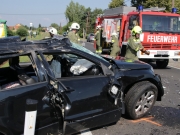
31,14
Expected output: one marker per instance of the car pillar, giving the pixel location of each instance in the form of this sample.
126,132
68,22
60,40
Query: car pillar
30,117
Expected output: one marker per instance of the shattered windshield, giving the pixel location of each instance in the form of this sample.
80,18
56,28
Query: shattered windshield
161,23
86,50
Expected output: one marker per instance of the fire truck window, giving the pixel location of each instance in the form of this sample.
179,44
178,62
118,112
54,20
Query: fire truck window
174,24
160,23
133,21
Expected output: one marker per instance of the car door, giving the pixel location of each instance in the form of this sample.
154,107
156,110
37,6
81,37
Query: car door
13,107
89,102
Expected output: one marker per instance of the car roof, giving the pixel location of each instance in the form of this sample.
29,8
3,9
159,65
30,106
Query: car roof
55,43
10,39
15,45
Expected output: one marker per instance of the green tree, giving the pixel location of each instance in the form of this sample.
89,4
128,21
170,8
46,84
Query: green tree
162,3
65,28
10,32
26,27
56,26
93,17
39,25
157,3
136,3
76,13
39,29
22,31
116,3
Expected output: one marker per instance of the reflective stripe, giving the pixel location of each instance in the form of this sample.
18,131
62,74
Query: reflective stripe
137,49
112,41
137,40
98,51
129,60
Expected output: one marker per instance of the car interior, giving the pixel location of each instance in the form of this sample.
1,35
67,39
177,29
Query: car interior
70,62
14,73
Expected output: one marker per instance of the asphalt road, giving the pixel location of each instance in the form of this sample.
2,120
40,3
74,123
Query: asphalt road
164,119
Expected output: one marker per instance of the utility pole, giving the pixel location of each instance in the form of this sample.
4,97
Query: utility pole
87,22
172,3
60,26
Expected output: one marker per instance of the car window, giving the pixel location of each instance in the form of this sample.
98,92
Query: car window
86,50
17,71
71,65
4,63
24,59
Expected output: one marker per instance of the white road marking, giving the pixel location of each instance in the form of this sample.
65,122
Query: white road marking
87,132
173,67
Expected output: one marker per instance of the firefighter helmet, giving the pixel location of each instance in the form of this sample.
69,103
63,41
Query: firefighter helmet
114,34
75,26
53,31
98,27
136,30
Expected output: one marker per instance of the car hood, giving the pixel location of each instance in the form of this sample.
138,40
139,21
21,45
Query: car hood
122,64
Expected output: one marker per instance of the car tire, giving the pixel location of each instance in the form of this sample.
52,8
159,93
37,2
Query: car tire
140,99
162,64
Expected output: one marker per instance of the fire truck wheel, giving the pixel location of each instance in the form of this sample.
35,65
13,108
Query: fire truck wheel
140,99
162,64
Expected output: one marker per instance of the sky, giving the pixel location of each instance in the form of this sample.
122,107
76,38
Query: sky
44,12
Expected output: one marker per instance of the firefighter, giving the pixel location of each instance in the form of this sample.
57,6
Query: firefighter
73,35
156,25
52,32
115,49
134,44
97,39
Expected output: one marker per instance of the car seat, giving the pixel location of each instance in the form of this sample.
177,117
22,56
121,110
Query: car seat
25,79
14,64
56,66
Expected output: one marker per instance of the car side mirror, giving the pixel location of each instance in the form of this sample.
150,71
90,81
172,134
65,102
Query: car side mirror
130,27
106,70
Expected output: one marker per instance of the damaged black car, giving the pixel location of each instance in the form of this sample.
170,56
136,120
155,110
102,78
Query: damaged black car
57,87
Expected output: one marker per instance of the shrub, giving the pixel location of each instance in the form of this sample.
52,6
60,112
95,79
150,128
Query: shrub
22,32
10,32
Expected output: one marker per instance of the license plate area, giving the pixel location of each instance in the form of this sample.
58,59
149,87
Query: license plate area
162,52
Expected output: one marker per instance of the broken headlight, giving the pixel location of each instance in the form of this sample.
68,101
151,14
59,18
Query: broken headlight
114,90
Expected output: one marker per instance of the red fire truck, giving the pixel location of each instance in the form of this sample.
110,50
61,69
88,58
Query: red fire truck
161,31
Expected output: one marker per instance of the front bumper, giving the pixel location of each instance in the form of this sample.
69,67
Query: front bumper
159,86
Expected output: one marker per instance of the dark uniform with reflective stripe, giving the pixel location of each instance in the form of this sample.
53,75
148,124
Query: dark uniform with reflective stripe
74,37
98,42
115,49
134,45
